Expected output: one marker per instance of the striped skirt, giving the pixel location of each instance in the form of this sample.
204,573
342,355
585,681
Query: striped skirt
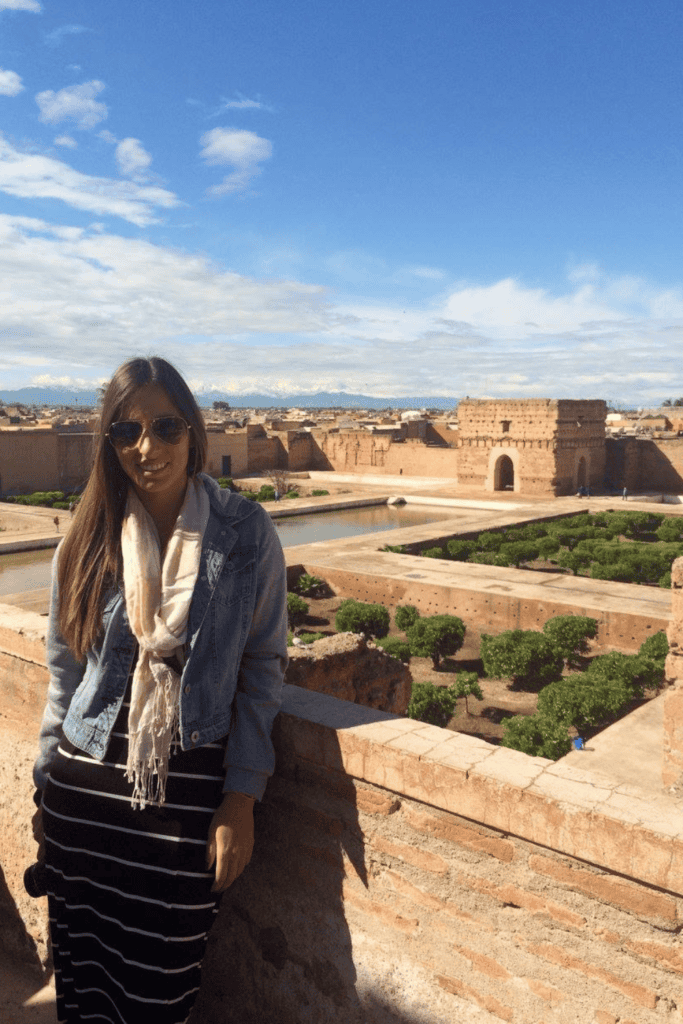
129,894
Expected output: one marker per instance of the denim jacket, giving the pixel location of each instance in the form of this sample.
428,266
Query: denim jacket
236,653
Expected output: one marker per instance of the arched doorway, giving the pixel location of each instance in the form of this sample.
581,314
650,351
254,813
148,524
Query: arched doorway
581,473
504,477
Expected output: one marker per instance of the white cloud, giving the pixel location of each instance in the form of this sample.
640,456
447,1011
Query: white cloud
107,136
132,158
237,148
55,37
76,103
20,5
33,176
75,303
66,141
243,103
10,83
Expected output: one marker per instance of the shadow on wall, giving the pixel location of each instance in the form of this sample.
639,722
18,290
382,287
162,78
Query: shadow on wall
281,951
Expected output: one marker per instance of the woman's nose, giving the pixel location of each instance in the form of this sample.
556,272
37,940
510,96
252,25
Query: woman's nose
146,441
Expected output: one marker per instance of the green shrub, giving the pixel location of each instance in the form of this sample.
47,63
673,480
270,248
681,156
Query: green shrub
519,551
665,581
460,550
64,505
310,638
533,531
489,541
291,494
569,635
583,700
467,685
405,615
225,482
432,704
251,495
526,656
297,609
632,670
671,529
266,493
483,558
433,553
574,560
655,647
318,493
357,617
398,549
396,647
309,585
548,546
536,735
436,637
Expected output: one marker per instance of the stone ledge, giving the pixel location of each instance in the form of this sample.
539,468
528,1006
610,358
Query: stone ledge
582,814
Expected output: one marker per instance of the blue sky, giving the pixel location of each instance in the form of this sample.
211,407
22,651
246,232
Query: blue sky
453,197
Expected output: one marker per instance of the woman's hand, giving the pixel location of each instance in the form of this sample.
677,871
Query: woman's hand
231,839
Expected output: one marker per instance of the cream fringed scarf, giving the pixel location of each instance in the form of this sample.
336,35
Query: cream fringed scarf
158,602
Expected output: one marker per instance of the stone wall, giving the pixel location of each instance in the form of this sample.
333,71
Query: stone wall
360,452
672,756
233,444
29,461
405,874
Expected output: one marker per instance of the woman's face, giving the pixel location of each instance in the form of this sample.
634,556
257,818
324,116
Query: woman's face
157,470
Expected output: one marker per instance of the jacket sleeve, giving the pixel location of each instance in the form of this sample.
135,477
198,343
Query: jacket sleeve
250,757
65,675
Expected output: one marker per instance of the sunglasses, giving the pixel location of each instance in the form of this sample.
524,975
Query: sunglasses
169,429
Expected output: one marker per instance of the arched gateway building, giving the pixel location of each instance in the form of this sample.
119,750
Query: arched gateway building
532,445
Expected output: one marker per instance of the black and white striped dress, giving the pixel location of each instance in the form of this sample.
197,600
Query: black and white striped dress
129,895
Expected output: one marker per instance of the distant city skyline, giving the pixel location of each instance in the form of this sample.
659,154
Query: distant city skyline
388,200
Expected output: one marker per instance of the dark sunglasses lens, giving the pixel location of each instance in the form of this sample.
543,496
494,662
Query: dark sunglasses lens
124,433
169,429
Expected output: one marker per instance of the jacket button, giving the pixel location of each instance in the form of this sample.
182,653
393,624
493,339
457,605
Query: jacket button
188,688
195,737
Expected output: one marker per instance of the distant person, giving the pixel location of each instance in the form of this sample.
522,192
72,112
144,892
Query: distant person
56,522
167,644
624,494
277,494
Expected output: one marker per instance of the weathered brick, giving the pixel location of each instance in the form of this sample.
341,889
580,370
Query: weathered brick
442,828
483,964
385,914
603,1017
414,855
548,993
563,958
673,958
372,802
303,815
636,899
417,895
487,1002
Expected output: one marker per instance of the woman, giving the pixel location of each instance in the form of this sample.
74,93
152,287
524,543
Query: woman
166,649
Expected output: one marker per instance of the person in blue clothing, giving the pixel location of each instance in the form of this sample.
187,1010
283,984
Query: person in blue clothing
166,649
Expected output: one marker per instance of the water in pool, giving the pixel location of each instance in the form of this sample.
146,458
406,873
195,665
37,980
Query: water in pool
29,570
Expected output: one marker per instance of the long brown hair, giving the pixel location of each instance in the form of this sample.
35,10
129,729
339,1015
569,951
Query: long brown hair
90,556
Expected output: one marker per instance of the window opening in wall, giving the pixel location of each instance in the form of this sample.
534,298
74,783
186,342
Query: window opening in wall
226,469
505,426
504,474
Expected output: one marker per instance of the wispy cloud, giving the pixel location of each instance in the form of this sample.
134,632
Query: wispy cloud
66,141
55,37
242,103
75,103
10,83
34,176
236,148
244,333
132,159
20,5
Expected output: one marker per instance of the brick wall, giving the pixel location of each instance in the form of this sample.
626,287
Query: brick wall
29,461
234,444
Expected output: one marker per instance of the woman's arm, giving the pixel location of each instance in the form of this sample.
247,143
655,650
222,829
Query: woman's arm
65,675
250,758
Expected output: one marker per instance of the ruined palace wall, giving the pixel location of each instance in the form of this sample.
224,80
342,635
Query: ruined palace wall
265,453
660,464
232,444
29,461
360,452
